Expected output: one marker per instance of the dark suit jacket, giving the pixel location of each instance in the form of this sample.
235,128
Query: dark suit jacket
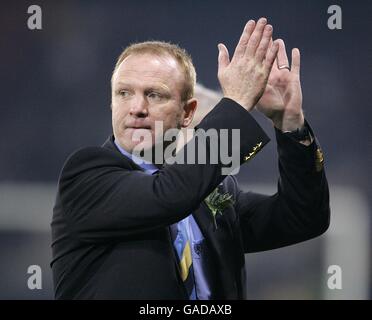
110,226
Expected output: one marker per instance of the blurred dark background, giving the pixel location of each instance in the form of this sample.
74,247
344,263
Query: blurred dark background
55,97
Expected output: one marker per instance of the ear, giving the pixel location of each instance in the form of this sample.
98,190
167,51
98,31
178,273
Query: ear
189,111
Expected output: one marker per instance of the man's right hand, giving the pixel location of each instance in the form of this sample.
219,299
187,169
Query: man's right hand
244,78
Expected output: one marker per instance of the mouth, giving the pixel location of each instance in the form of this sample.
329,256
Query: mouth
138,127
139,134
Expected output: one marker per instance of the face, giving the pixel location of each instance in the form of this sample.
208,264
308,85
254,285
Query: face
147,88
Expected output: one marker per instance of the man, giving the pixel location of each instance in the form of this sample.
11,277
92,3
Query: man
127,231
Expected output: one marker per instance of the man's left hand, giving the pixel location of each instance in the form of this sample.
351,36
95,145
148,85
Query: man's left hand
282,99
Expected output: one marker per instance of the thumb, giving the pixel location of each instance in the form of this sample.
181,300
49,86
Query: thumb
223,57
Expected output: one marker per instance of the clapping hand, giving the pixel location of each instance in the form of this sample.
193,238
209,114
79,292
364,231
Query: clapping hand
282,100
244,78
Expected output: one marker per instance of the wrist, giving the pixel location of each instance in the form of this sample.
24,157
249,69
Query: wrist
289,124
245,104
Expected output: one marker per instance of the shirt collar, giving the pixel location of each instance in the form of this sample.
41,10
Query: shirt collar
147,166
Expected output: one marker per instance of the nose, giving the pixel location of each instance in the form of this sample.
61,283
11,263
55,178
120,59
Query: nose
139,107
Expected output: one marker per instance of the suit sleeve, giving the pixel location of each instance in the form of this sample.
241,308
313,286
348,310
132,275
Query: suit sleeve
101,199
298,211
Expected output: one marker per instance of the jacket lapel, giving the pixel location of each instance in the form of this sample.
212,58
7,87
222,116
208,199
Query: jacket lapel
109,144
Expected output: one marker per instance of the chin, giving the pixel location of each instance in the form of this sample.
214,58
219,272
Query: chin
137,146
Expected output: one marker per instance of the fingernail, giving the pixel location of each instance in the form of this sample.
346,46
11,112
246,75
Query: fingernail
263,20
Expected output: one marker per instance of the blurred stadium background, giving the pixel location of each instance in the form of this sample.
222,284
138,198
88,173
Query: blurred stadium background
55,97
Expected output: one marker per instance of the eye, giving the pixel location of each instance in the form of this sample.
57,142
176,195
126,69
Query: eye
155,96
123,93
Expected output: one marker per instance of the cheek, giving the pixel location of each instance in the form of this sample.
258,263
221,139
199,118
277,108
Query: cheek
118,114
171,118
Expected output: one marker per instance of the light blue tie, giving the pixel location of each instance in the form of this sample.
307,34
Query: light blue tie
183,248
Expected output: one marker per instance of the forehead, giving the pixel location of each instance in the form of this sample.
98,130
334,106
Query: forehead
149,68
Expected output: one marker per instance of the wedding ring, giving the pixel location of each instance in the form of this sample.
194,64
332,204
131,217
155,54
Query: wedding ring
284,67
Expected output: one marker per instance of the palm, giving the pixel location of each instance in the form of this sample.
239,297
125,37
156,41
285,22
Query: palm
283,92
282,99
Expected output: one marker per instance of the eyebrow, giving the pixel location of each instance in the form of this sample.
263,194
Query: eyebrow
162,88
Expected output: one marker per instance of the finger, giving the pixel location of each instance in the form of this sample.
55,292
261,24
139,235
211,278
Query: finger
296,59
282,56
264,44
270,56
275,65
242,44
255,38
271,42
268,50
223,57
